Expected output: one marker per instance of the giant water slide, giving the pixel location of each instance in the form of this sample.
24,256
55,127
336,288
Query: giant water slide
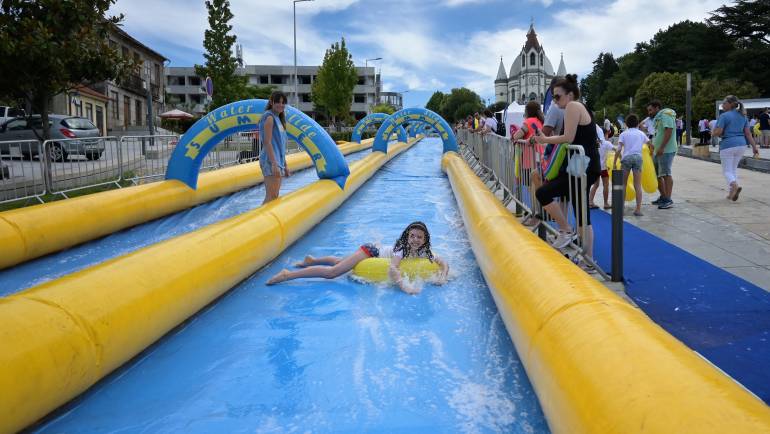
184,335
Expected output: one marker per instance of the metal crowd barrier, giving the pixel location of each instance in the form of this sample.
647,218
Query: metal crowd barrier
60,166
23,177
512,170
73,164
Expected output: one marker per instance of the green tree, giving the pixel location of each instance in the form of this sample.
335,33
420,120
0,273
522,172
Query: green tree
711,90
747,24
256,92
592,87
436,102
332,89
221,64
48,47
383,108
459,103
669,88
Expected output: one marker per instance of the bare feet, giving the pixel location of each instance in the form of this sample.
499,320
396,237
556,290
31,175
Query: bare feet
281,276
308,261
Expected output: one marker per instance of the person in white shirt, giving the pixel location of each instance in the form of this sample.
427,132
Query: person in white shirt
490,123
630,145
713,140
604,147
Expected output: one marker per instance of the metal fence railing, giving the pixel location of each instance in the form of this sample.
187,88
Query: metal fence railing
21,177
30,169
72,164
514,171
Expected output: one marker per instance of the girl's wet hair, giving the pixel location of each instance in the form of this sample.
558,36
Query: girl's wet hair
402,244
275,97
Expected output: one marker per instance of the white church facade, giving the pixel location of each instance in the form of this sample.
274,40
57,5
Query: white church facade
530,74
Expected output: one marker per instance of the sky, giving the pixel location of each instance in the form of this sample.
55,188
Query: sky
425,46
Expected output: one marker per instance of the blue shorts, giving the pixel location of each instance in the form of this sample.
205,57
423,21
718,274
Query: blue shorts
663,164
267,170
631,162
371,250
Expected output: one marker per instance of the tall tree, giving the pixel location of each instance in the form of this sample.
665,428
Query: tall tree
50,46
747,21
221,64
747,24
436,102
460,103
332,90
669,88
592,87
708,92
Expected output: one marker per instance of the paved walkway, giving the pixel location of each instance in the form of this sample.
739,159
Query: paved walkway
734,236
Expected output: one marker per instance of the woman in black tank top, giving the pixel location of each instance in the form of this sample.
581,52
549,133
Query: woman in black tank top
579,129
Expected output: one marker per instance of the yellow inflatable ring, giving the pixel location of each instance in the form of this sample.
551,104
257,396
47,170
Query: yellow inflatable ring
376,269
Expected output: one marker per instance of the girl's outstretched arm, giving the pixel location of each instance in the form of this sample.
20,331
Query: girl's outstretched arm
395,275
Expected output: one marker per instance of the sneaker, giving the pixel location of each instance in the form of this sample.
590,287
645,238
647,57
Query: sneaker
658,201
564,239
667,204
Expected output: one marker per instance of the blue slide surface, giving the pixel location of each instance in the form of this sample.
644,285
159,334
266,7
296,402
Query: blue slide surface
333,355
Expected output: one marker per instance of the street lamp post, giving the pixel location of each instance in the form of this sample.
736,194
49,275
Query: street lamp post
366,66
296,92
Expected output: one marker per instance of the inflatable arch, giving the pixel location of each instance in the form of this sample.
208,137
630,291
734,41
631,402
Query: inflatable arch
375,118
186,160
415,115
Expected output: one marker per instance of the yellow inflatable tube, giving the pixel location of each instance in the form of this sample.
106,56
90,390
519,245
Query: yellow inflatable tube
35,231
60,337
376,269
598,365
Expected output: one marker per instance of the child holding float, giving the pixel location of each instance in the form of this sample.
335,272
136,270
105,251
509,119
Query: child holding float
630,144
414,243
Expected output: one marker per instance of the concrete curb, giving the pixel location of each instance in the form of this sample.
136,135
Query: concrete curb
757,164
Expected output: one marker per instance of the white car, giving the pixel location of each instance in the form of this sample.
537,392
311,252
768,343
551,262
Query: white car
8,113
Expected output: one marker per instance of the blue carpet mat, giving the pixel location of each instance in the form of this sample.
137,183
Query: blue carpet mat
721,316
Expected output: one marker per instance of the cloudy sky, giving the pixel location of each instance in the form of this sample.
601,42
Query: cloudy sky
426,45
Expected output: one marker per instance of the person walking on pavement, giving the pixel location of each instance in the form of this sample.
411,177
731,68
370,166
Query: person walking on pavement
664,150
733,128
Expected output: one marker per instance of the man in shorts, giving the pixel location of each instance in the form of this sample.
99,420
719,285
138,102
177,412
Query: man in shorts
664,150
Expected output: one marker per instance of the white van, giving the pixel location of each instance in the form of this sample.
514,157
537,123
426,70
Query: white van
8,113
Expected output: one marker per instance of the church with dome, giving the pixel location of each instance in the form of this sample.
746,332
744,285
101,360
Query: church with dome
530,74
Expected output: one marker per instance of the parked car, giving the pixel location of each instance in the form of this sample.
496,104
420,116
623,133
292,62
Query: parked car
75,135
8,113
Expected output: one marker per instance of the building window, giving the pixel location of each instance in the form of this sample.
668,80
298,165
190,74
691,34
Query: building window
264,79
532,61
124,52
523,60
195,99
157,73
361,80
193,80
138,113
90,111
541,59
306,97
279,79
304,79
359,98
114,104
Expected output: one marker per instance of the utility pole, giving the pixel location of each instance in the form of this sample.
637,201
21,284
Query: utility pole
296,91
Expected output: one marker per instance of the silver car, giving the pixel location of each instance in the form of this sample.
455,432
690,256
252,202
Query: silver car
71,135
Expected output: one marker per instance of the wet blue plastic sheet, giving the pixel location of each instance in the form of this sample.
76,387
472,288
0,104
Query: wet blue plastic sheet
328,356
120,243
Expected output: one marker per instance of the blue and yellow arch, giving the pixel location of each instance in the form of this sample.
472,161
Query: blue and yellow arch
245,115
419,116
375,118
